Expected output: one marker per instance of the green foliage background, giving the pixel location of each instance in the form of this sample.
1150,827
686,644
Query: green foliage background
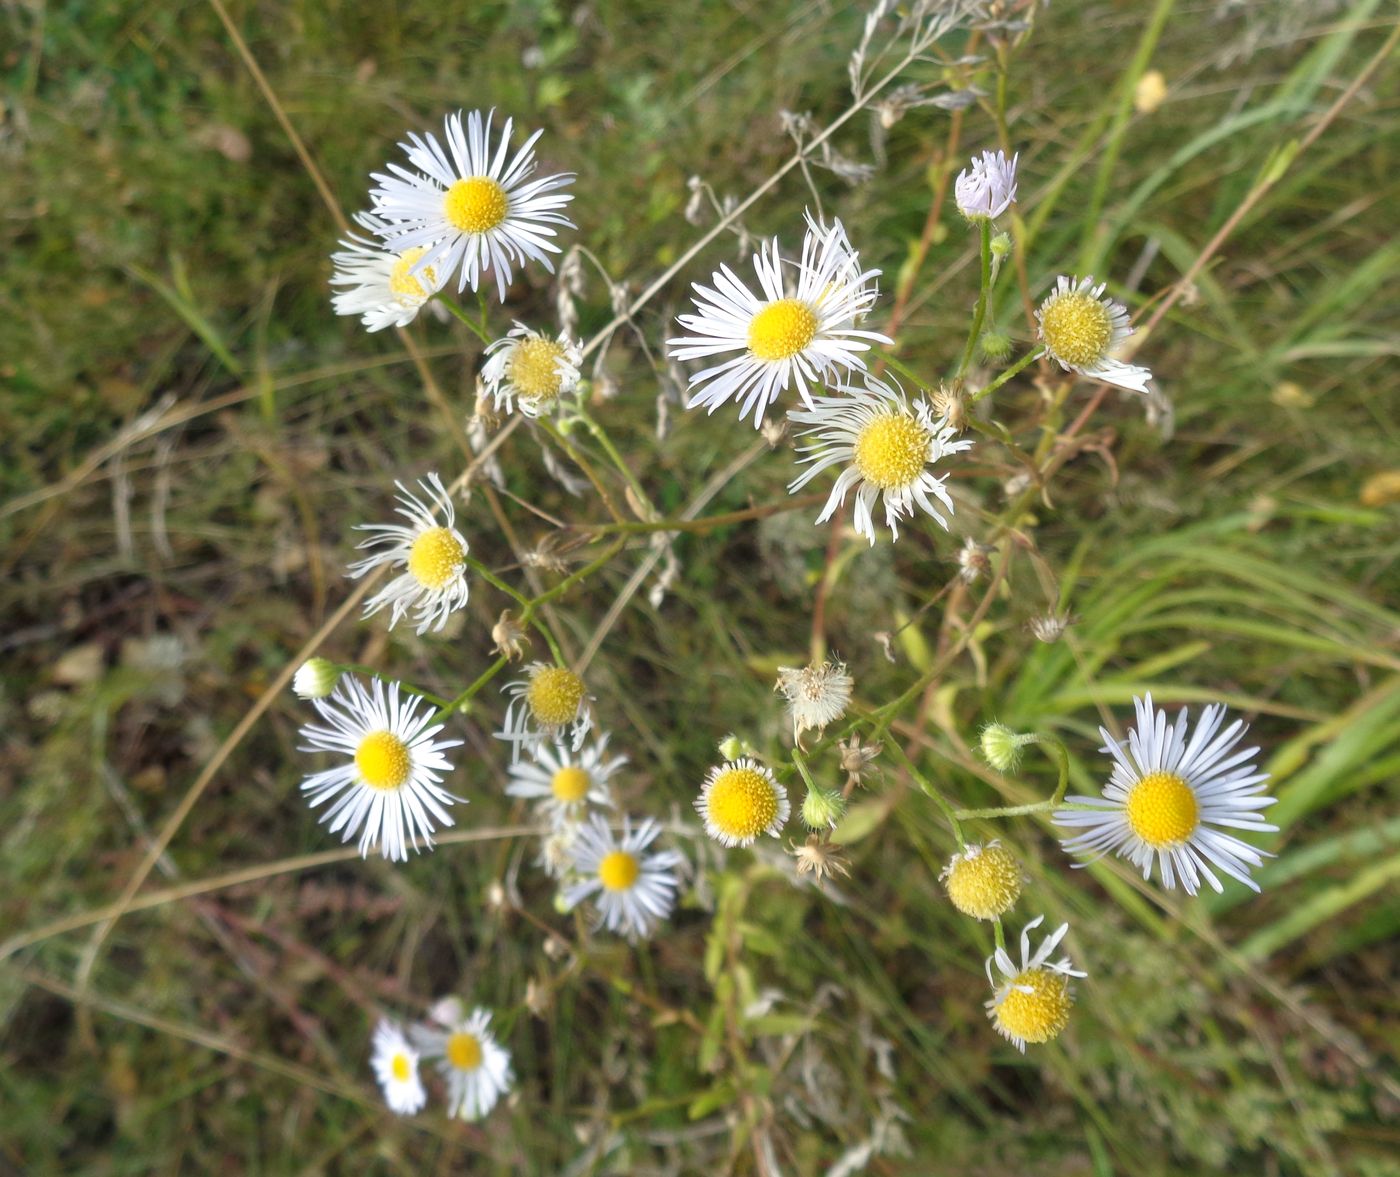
162,241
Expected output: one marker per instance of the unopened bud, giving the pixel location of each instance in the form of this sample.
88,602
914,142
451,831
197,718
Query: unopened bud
1002,747
1001,245
996,346
822,809
733,748
315,678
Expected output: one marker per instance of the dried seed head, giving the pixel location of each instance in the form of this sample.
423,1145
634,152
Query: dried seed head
509,636
949,401
815,857
973,560
817,695
856,758
1050,627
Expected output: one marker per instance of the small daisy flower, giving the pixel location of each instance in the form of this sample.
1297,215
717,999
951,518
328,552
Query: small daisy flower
381,286
1080,328
817,695
788,336
531,369
740,800
390,791
546,703
632,891
475,1066
1032,1003
395,1064
315,678
988,187
472,211
1166,793
983,881
887,448
566,781
432,554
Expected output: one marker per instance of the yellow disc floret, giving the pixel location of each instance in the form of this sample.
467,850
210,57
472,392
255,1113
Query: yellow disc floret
533,368
892,450
436,558
400,1067
383,760
618,870
1035,1007
1076,328
742,803
407,285
1162,810
983,881
464,1051
554,696
782,329
475,205
570,784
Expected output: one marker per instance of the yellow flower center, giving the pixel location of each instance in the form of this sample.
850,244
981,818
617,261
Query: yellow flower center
436,558
1076,328
464,1051
742,803
402,282
533,368
782,329
1162,810
618,870
554,696
383,761
1039,1015
570,784
891,450
984,884
476,205
400,1067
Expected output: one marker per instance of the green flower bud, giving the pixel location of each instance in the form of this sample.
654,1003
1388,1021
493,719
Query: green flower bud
822,809
315,678
1002,747
996,346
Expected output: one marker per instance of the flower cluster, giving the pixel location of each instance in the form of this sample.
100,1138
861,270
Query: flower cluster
473,1066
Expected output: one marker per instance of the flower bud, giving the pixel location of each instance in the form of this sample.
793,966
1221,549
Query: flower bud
996,346
315,678
1002,747
822,809
1001,245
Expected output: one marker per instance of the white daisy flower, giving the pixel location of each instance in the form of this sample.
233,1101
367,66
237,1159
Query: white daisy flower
740,800
816,695
887,447
471,211
548,702
390,791
1166,793
382,286
1032,1002
432,554
475,1066
395,1063
532,369
632,891
789,335
1080,328
988,187
564,781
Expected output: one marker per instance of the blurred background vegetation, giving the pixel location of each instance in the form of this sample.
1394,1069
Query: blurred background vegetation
188,432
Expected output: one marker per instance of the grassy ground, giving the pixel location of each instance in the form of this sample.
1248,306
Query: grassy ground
188,434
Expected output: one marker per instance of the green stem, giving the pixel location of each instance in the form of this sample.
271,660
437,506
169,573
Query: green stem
1060,755
981,312
614,457
478,329
1024,362
495,581
999,933
948,811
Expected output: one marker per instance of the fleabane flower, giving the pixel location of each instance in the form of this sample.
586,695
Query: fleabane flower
1080,329
633,891
983,881
740,800
547,703
816,695
390,789
475,1067
531,370
432,554
381,285
566,782
1031,1003
987,188
470,207
888,448
315,678
395,1063
788,335
1167,793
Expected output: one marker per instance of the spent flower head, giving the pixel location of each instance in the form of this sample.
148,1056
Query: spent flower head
983,882
1081,329
817,695
545,705
530,370
1031,1002
856,758
819,858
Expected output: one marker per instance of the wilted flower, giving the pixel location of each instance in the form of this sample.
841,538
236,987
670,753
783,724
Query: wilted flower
1032,1002
817,695
983,881
1081,329
530,370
